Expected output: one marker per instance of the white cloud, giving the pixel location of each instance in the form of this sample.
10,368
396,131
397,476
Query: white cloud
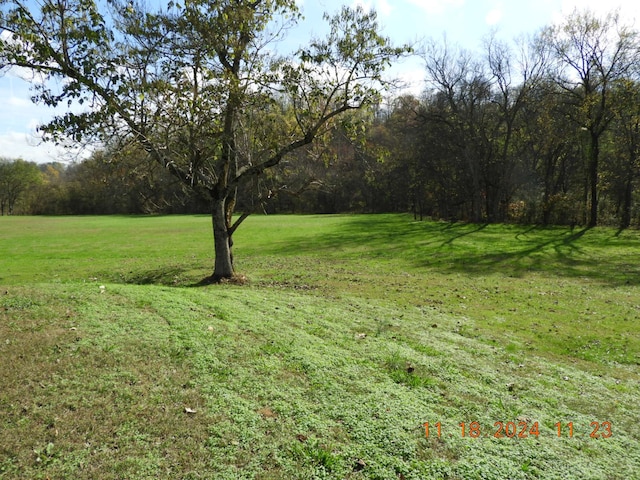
29,147
22,145
17,102
383,7
412,81
495,15
26,75
33,126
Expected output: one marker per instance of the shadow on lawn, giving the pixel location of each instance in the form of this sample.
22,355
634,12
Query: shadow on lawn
165,275
474,249
561,254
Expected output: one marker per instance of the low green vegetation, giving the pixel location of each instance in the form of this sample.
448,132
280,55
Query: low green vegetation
349,334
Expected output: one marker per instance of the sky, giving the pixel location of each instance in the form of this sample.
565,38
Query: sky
463,22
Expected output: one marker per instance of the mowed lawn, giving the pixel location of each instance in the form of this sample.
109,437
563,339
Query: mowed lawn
519,346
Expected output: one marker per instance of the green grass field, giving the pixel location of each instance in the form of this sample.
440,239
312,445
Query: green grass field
351,333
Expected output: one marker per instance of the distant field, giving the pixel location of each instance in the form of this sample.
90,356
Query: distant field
351,333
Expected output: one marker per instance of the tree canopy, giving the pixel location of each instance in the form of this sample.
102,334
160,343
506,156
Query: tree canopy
198,84
15,178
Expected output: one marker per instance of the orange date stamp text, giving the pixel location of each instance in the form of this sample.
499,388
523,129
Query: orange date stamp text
519,429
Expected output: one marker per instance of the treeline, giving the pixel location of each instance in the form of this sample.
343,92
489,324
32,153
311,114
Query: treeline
546,131
96,186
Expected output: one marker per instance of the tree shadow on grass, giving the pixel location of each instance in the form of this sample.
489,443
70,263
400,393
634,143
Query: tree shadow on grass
442,247
561,254
457,234
472,249
185,276
166,275
587,253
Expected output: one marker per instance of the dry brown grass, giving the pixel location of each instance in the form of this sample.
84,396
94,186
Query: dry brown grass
69,408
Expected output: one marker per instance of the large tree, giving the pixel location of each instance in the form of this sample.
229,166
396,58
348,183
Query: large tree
197,84
591,54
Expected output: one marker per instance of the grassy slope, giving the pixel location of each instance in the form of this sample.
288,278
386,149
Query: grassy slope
353,332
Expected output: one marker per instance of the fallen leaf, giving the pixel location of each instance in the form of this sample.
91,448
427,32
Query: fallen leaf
266,412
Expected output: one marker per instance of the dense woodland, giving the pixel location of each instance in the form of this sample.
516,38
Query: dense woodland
545,130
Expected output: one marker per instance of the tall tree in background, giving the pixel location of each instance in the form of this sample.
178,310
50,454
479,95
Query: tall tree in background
625,166
514,76
591,53
551,159
477,106
196,84
458,83
15,178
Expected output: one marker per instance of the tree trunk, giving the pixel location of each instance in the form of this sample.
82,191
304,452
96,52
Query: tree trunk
594,153
625,221
222,242
476,194
546,204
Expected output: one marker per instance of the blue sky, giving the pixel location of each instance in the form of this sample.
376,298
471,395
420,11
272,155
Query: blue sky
464,22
